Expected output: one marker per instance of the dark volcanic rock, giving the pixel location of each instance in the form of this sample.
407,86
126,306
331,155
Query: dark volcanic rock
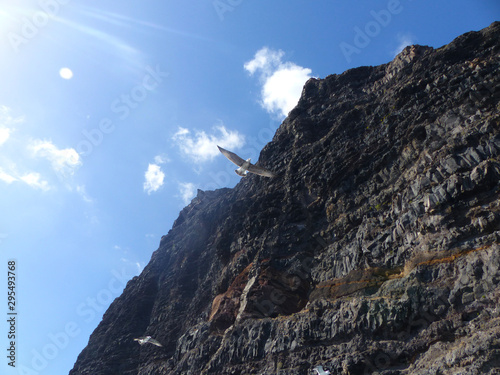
375,250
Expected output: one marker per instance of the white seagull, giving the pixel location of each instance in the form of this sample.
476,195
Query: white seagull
319,371
147,339
244,165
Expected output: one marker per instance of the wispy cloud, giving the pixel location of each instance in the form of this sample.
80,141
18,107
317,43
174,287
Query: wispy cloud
133,22
201,146
9,169
6,119
34,179
19,159
82,191
404,40
161,159
109,40
4,135
7,123
64,161
5,177
135,265
154,178
126,260
282,81
187,191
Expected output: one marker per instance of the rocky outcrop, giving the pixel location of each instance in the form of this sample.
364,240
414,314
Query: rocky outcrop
376,250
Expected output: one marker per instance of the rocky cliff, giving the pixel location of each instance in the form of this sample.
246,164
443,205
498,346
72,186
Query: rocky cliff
375,250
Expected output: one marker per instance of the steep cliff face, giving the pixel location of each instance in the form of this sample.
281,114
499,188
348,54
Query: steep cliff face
375,250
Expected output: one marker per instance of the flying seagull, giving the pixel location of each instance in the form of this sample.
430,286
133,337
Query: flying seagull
319,371
244,165
145,339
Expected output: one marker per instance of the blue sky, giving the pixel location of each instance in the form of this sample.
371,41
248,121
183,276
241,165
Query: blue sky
109,117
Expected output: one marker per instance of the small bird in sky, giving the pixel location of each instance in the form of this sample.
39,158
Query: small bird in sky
147,339
244,165
319,371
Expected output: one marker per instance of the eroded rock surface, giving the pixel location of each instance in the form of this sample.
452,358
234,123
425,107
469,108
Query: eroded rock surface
376,250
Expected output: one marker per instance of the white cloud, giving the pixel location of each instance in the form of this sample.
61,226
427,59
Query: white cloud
64,161
4,135
6,119
7,123
33,179
282,82
187,190
282,90
265,60
404,40
161,159
153,178
202,146
6,177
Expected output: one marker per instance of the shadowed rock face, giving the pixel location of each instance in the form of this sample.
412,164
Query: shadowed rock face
375,250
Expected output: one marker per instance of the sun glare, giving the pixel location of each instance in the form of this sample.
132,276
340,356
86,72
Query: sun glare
66,73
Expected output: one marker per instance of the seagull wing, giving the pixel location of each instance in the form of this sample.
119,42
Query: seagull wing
260,171
232,156
155,342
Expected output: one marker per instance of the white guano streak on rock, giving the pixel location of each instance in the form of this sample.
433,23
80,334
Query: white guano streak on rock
243,298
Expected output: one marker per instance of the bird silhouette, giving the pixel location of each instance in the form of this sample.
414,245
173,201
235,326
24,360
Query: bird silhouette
244,165
147,339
